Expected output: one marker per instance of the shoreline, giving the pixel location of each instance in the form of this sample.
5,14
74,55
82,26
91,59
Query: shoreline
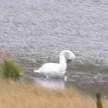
29,95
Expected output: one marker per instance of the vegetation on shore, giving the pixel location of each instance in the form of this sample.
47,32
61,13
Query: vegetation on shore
11,69
29,95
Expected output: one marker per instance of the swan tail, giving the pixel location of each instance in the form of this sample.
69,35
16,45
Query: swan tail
36,71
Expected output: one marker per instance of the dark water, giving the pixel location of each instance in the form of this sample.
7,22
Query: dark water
35,31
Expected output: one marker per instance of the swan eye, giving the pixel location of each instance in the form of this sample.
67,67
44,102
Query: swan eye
68,60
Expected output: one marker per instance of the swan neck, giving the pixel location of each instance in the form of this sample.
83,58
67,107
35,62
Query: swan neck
62,58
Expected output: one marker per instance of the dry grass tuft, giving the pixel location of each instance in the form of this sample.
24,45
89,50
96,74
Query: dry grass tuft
24,95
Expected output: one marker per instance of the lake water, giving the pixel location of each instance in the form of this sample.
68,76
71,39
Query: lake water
34,32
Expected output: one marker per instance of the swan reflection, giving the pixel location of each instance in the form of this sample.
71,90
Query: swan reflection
50,83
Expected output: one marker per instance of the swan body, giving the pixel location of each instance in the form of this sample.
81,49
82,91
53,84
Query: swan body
57,69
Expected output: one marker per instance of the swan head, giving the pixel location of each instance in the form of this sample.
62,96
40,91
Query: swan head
69,55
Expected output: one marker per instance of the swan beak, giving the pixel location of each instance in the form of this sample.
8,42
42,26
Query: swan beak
68,60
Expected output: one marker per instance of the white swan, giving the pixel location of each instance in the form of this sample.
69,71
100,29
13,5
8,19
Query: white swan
57,69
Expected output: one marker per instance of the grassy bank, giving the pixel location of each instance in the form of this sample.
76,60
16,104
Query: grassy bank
24,95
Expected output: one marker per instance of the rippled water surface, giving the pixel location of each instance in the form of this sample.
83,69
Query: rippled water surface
35,31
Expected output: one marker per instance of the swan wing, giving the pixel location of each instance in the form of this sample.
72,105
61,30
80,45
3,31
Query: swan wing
49,68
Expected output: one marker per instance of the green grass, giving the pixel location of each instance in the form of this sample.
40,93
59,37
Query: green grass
99,101
11,69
